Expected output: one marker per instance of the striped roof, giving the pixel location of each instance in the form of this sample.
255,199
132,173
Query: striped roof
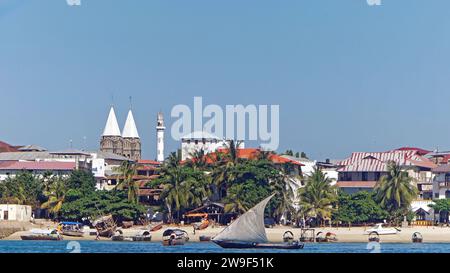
378,161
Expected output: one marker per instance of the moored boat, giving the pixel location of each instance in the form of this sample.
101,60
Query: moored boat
381,230
175,237
248,231
42,235
72,229
105,226
140,236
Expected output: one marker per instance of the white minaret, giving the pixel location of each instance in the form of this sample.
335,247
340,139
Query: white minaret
160,138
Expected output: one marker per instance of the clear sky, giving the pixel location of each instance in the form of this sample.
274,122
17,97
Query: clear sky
347,76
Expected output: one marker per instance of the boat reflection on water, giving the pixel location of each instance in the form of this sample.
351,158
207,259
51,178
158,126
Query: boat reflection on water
248,231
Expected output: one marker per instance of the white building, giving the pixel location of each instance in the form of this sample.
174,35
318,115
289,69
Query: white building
160,129
198,141
441,182
15,213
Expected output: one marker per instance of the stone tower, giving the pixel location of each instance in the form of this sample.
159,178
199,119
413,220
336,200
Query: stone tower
160,129
111,141
131,139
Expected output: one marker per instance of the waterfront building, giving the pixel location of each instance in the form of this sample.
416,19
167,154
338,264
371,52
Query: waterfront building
363,170
20,213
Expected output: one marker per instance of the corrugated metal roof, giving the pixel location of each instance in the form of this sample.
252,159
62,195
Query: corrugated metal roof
378,161
27,156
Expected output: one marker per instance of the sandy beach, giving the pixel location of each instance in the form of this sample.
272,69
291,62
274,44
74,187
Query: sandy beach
344,235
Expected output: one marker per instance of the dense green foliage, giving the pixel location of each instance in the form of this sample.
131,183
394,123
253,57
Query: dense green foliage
358,208
100,203
239,183
68,198
22,189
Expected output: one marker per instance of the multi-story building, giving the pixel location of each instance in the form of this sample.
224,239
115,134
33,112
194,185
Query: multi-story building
207,142
362,170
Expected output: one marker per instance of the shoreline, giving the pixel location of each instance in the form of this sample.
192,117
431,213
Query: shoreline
275,235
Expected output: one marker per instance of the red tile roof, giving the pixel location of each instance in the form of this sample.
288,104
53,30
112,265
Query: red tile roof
378,161
149,162
357,184
418,150
5,148
37,166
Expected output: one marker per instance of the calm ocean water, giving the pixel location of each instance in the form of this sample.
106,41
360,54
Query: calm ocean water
125,247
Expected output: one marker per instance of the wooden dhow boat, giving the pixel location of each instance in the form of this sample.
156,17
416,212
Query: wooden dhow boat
105,226
248,231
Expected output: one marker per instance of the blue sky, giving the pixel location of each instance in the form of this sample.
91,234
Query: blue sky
347,76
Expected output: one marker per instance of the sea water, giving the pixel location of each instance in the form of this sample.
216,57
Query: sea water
129,247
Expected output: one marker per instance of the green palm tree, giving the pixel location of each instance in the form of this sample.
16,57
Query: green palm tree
223,173
55,192
395,190
283,186
318,196
175,193
235,201
127,171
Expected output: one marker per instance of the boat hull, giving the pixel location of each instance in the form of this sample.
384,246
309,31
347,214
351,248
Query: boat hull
251,245
73,233
40,238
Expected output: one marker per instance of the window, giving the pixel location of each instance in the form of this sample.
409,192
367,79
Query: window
365,176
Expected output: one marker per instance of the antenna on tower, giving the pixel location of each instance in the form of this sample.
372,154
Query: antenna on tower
131,103
112,99
71,143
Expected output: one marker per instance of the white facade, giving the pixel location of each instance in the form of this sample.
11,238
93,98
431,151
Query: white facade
160,129
198,141
15,213
441,186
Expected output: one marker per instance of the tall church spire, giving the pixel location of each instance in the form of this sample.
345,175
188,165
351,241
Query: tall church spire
112,126
130,129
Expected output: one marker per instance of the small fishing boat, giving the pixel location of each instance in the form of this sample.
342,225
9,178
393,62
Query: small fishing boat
288,237
248,231
381,230
140,236
42,235
71,229
175,237
374,237
105,226
417,238
308,235
328,238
